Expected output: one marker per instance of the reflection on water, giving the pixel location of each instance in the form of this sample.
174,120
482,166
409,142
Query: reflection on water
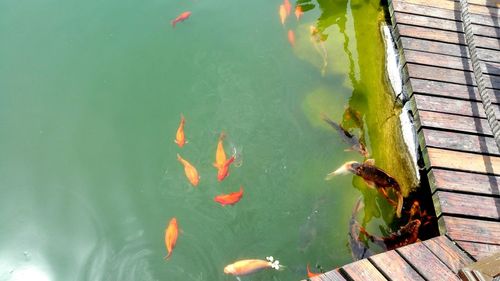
91,98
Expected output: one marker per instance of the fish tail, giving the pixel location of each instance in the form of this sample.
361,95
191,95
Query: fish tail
179,157
330,176
167,257
222,136
173,23
399,207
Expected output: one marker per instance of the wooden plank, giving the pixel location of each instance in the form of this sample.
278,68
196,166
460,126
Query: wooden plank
426,263
448,253
451,106
436,88
479,250
450,122
488,55
485,269
464,182
450,203
448,75
453,37
452,5
362,270
459,141
462,161
471,230
487,3
392,265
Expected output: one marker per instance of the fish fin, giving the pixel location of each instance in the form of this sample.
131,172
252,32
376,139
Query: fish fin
349,149
179,157
167,257
330,176
370,184
400,204
370,162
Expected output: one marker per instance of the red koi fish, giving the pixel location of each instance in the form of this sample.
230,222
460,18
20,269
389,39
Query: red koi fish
291,37
298,12
182,17
288,6
246,267
171,234
180,138
229,199
190,171
223,172
311,274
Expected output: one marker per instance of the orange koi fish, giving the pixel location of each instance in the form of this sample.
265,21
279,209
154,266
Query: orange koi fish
220,155
298,12
229,199
223,172
171,234
190,170
291,37
246,267
311,274
180,138
182,17
288,7
282,14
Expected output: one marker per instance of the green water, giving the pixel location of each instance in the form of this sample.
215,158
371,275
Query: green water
91,94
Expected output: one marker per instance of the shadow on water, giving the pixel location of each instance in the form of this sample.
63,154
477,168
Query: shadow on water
470,80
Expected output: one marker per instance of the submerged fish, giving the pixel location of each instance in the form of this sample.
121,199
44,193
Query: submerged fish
246,267
374,177
171,233
311,274
347,137
298,12
180,138
229,199
291,37
182,17
288,6
358,248
190,171
220,155
282,13
406,235
223,172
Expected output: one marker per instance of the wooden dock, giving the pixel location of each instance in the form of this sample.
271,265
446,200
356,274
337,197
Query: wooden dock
461,157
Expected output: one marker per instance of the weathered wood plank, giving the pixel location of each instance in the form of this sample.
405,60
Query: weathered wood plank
458,63
423,45
392,265
460,142
436,88
461,161
463,182
426,263
471,230
453,37
448,75
400,6
452,123
488,55
487,3
362,270
479,250
448,253
450,203
451,106
452,5
485,269
443,24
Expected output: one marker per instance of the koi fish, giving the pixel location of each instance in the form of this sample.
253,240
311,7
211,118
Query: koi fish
374,177
291,37
229,199
182,17
282,14
298,12
288,7
223,172
246,267
347,137
220,155
358,248
311,274
190,171
171,234
406,235
180,138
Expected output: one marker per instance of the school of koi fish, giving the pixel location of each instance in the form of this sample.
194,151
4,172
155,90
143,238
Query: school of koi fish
373,176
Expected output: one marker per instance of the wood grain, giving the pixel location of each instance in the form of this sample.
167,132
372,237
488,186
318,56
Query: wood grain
426,263
392,265
451,203
448,253
451,106
463,182
362,270
471,230
459,141
479,250
462,161
452,5
451,122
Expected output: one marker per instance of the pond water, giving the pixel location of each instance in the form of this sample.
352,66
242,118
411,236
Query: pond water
91,98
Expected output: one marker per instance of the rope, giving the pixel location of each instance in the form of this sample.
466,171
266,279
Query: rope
478,74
